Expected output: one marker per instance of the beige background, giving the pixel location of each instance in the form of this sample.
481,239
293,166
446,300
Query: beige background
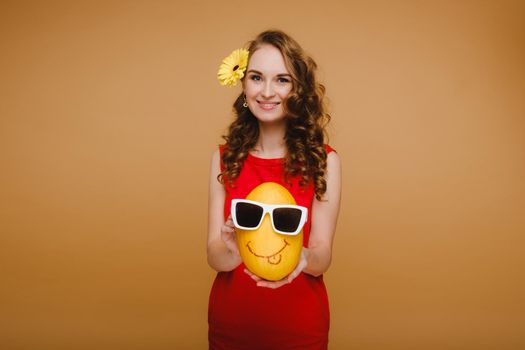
109,113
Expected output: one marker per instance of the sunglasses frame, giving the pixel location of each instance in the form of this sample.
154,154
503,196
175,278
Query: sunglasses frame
268,209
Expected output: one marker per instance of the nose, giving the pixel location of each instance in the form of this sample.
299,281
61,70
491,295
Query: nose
267,91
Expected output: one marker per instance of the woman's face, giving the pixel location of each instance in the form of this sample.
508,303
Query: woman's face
267,84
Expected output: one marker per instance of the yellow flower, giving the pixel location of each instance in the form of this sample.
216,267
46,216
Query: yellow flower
233,67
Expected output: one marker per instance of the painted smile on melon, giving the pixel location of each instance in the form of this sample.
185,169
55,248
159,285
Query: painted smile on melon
273,259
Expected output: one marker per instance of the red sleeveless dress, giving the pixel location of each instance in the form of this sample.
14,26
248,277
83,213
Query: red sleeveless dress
243,316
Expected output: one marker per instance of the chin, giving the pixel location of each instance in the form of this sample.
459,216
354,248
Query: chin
268,117
270,120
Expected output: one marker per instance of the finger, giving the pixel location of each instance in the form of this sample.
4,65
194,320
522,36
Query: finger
233,247
293,275
227,229
252,275
272,285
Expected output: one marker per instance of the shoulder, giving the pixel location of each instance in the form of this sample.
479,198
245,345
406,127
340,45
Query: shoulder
216,161
216,158
216,155
215,165
330,151
332,158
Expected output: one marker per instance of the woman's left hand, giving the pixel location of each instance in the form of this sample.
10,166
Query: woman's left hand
288,279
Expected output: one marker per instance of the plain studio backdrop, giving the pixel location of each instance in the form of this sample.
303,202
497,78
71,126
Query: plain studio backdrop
109,114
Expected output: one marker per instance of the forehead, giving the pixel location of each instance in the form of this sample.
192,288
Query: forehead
267,59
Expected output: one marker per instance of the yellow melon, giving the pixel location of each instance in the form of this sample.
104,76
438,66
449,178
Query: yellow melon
266,253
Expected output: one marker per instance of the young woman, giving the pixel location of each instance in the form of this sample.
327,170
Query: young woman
277,136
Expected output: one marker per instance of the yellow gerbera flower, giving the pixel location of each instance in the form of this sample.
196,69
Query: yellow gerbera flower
233,67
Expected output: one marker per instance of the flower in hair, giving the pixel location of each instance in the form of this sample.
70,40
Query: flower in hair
233,67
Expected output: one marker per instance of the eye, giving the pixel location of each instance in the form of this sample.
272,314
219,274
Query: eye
283,80
255,77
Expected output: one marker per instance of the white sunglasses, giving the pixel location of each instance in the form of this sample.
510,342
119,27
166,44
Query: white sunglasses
286,219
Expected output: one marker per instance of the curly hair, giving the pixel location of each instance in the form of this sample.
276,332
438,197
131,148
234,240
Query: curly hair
306,119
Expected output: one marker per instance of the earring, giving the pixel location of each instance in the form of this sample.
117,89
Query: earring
245,104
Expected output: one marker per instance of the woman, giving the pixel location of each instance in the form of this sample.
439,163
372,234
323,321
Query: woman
277,136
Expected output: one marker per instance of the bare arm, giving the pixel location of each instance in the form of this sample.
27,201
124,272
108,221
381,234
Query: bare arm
223,254
324,220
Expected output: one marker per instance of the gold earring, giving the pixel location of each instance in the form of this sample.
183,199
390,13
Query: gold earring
245,104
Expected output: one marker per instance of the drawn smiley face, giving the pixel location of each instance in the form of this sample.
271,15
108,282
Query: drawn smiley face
271,243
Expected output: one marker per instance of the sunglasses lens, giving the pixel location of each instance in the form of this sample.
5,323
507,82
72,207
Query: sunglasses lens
248,214
286,219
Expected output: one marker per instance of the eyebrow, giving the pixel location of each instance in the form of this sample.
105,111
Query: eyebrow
279,75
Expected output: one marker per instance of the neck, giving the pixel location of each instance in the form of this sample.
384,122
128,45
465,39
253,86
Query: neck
271,143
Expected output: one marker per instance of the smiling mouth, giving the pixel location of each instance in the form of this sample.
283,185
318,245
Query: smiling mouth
273,259
268,105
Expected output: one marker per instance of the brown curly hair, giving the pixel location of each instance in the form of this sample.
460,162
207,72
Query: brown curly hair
306,119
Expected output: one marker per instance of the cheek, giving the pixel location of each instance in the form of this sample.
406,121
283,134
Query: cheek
285,91
250,89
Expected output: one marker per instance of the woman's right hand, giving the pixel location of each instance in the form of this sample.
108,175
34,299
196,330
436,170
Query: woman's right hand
228,236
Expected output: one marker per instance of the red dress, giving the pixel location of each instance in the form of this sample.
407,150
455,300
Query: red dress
244,316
